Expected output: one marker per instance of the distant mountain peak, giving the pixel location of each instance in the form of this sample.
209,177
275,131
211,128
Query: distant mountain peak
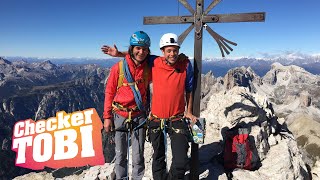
291,68
276,65
47,62
47,65
4,61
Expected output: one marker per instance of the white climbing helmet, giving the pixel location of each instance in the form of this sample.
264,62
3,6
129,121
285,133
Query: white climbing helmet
169,39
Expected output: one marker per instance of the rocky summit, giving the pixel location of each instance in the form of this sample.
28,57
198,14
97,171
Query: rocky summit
281,109
277,149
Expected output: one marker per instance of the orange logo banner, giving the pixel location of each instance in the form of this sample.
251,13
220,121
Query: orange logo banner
67,140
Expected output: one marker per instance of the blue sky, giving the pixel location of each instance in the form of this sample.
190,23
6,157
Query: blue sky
78,28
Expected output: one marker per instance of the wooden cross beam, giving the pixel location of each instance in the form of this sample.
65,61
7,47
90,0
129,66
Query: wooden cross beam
198,20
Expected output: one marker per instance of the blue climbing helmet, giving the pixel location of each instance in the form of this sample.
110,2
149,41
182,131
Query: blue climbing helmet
140,38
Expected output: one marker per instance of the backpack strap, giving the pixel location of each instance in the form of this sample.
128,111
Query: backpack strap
121,74
146,73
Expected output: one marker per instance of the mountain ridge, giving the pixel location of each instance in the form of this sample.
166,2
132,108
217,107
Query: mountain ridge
219,66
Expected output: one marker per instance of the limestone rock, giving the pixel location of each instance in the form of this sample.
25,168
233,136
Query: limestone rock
305,99
36,176
278,151
240,77
316,171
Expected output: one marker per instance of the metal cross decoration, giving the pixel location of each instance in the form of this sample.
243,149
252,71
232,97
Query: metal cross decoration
199,19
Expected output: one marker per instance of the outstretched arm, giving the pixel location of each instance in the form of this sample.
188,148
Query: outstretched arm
113,51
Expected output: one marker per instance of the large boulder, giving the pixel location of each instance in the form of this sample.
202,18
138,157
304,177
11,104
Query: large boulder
276,147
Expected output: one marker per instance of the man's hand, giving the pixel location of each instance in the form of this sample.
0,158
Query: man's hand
182,57
191,117
111,51
108,125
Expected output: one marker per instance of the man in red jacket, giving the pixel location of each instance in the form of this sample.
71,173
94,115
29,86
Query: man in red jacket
125,104
172,91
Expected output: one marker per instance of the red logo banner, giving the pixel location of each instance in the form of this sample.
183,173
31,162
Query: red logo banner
67,140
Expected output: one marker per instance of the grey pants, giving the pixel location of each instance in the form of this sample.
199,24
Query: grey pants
137,142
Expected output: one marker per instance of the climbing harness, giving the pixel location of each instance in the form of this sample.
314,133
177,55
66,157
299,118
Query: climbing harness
164,127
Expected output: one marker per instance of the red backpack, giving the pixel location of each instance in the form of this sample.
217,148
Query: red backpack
238,150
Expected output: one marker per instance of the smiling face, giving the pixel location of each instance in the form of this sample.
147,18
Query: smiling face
170,53
139,53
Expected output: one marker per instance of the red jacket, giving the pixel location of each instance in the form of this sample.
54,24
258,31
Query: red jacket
169,87
124,94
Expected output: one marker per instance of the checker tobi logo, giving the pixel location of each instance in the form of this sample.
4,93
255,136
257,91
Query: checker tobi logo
67,140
